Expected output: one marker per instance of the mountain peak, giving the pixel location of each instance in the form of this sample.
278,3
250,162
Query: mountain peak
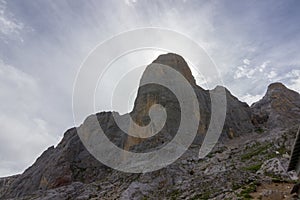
178,63
278,89
61,170
280,107
276,85
220,88
169,57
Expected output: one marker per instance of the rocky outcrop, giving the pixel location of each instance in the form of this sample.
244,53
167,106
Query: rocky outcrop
5,183
279,108
228,172
68,162
238,115
274,168
70,170
178,63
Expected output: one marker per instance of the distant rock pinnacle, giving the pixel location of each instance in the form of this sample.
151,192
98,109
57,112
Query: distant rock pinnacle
280,107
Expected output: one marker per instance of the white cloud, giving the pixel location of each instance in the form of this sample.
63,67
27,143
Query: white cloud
67,37
295,85
294,76
250,99
130,2
24,134
246,61
272,75
248,71
9,25
244,71
263,66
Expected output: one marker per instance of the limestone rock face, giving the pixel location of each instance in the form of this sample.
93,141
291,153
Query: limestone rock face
274,167
280,107
153,94
178,63
5,183
238,117
70,162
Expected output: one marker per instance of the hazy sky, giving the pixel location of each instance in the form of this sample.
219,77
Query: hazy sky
43,43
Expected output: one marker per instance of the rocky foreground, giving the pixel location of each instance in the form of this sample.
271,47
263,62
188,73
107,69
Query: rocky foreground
249,161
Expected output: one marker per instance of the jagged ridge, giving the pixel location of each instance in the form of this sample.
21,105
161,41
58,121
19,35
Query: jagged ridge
70,161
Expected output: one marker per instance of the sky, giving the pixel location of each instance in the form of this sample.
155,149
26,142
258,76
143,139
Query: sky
43,43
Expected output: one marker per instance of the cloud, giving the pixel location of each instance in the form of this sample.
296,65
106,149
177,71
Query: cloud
250,99
23,133
246,61
36,84
271,75
294,77
248,71
10,27
295,85
130,2
244,71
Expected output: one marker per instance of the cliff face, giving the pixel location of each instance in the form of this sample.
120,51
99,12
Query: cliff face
59,166
70,162
279,108
238,116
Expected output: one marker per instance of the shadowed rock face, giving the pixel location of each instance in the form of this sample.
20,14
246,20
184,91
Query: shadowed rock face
70,161
279,108
238,115
59,166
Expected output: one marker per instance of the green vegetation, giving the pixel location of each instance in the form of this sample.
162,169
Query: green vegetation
282,150
271,155
203,196
210,155
259,130
254,151
275,178
175,194
247,190
235,186
253,168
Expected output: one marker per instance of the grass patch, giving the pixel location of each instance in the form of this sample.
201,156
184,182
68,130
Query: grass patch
245,193
203,196
255,151
259,130
275,178
253,168
282,150
210,155
235,186
175,194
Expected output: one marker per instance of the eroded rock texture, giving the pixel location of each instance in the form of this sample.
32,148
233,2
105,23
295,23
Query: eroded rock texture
69,171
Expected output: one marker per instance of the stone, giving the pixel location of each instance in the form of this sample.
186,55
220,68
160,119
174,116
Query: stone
273,167
280,107
69,171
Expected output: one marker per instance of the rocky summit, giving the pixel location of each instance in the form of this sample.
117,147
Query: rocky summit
280,108
248,162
